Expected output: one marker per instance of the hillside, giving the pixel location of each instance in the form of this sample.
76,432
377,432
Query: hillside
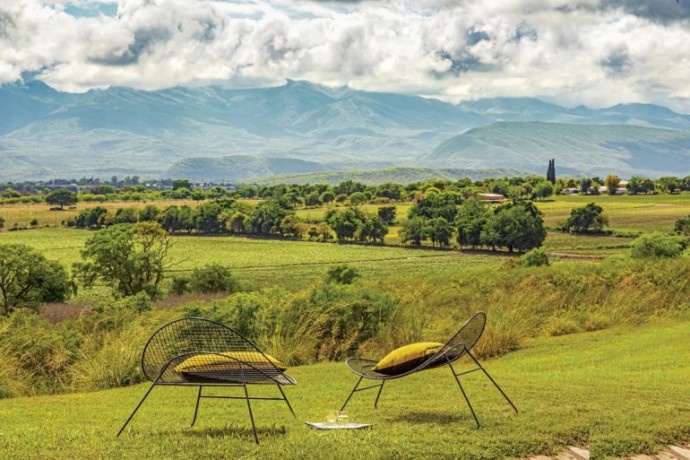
399,175
45,133
590,149
239,168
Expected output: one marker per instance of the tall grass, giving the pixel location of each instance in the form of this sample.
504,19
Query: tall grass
329,321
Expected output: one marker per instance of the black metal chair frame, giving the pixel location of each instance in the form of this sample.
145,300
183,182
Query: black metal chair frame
457,347
181,339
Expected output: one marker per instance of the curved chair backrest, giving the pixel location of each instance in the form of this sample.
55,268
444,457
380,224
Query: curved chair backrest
184,338
462,342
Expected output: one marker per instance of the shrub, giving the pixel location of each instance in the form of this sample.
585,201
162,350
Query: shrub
180,285
658,245
537,257
212,279
342,274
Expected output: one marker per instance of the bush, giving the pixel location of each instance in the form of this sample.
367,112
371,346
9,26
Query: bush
658,245
537,257
212,279
180,285
342,274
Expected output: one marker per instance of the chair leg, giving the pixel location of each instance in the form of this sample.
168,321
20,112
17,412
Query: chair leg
457,379
351,393
251,416
196,409
136,409
376,403
286,400
494,382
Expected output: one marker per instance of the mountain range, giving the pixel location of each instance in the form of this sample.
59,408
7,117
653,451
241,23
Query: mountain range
216,133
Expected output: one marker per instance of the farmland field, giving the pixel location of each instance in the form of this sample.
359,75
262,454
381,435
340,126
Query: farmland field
258,261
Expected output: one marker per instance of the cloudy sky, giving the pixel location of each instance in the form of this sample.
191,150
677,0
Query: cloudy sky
592,52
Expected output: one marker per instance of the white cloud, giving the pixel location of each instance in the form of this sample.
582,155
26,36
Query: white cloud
594,52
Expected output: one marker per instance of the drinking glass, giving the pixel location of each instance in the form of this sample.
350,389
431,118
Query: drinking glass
342,418
332,417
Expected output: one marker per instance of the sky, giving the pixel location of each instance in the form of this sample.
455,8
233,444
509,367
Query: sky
591,52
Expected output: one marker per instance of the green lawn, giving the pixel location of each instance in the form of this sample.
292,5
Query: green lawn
620,391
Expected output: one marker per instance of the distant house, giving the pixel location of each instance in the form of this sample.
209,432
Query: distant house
491,197
570,191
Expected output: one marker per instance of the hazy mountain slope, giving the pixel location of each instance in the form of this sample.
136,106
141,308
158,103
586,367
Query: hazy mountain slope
238,168
399,175
45,133
591,149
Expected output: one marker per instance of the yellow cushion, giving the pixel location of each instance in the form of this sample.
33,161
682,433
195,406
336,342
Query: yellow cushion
407,358
227,361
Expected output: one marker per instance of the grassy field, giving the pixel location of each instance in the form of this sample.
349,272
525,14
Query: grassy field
620,391
263,261
625,213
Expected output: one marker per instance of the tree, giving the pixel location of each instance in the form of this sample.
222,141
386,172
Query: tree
93,218
62,198
345,223
198,195
174,219
551,172
207,218
149,213
387,214
611,182
181,183
585,185
389,190
586,219
128,258
290,226
668,184
9,192
312,199
472,216
28,279
357,198
638,184
266,219
515,226
437,205
542,190
125,216
413,231
372,229
440,231
327,197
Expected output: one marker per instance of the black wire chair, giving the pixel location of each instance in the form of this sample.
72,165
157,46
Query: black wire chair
457,347
204,353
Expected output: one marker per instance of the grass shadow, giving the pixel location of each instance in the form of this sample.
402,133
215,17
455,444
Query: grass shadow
234,431
433,417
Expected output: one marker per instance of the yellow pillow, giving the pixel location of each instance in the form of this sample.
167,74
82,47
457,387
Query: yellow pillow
227,361
407,358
